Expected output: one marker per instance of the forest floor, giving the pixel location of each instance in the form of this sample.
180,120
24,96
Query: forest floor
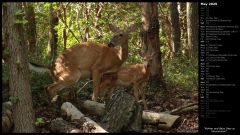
189,121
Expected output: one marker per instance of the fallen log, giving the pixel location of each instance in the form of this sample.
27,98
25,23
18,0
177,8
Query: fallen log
59,125
165,120
73,113
93,107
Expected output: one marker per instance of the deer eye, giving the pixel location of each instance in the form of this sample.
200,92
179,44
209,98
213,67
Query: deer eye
121,35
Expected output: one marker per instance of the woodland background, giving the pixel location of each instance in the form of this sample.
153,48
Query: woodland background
41,31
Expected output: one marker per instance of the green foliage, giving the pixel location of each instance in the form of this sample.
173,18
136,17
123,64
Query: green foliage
39,122
23,21
39,81
181,72
163,48
19,12
121,14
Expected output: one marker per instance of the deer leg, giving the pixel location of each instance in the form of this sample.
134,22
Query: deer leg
135,92
69,96
96,82
54,88
107,85
138,90
141,91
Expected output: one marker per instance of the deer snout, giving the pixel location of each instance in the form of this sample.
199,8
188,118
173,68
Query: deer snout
110,44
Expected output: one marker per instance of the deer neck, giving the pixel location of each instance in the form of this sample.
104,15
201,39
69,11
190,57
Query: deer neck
124,48
147,68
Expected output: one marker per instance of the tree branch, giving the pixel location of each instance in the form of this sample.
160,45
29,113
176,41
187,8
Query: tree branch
180,109
65,25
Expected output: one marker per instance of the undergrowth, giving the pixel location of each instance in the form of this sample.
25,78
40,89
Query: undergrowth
181,73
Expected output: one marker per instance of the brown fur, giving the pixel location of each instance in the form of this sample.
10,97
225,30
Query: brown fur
72,64
89,59
130,75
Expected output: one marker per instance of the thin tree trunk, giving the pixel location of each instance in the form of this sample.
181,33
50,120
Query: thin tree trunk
98,9
53,37
64,29
67,26
77,21
31,33
192,28
20,91
168,30
150,41
183,26
176,33
64,33
87,15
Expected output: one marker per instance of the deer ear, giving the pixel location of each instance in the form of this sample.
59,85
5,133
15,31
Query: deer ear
113,28
132,27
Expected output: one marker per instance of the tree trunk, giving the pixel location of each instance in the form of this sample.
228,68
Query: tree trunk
151,43
53,37
168,31
30,27
20,91
183,27
192,28
64,29
123,114
176,33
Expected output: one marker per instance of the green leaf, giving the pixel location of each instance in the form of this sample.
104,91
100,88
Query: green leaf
46,5
24,21
19,12
162,48
39,121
